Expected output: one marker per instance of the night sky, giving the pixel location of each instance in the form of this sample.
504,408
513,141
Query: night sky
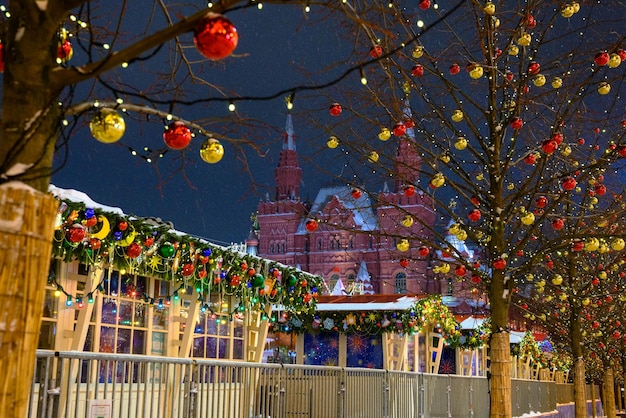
214,201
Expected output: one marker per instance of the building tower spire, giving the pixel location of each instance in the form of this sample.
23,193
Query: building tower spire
288,173
408,161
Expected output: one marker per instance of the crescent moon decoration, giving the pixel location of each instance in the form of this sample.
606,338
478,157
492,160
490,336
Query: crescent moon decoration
125,242
104,230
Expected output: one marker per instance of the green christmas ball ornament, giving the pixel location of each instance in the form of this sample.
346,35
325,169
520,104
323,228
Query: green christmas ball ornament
258,281
166,250
291,281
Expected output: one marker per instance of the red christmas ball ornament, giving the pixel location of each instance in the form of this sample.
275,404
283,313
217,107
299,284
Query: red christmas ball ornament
409,123
474,215
65,51
89,222
133,250
95,243
423,251
517,123
622,54
499,264
616,334
335,109
148,242
424,4
534,68
215,36
235,280
417,70
541,202
569,183
399,129
251,271
356,194
531,22
475,201
509,76
404,262
602,58
549,146
557,137
177,135
600,189
243,265
122,226
409,190
376,51
578,246
476,279
558,224
460,270
188,269
530,159
1,57
581,141
455,69
76,233
311,225
622,151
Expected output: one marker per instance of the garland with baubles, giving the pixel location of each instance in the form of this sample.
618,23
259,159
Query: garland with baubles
142,246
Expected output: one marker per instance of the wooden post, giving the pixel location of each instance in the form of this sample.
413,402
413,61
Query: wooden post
608,392
501,375
394,351
580,391
26,233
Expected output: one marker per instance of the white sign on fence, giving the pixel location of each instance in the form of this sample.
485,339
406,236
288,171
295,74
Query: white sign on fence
100,408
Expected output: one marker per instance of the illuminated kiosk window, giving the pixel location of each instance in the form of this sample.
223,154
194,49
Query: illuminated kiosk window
321,349
364,351
219,332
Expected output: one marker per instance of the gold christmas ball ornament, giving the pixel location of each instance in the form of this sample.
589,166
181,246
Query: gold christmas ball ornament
403,245
489,8
614,61
457,115
539,80
407,221
107,126
418,51
513,50
604,88
476,72
461,143
211,151
528,218
384,134
524,40
567,11
333,142
373,157
618,244
557,82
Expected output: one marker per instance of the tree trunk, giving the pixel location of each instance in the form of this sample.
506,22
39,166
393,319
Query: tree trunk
580,388
501,404
609,393
26,235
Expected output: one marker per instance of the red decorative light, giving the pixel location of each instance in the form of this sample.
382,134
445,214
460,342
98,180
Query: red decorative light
215,36
177,135
335,109
602,58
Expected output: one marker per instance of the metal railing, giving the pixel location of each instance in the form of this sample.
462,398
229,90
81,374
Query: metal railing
77,384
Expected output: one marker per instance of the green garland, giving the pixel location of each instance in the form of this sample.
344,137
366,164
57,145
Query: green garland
142,246
428,311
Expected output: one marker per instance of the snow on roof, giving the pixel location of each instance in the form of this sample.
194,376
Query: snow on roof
360,208
401,303
76,196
